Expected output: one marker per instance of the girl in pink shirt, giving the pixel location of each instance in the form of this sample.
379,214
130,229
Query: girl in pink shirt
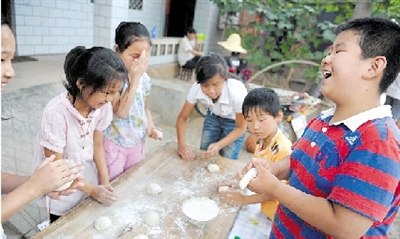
72,123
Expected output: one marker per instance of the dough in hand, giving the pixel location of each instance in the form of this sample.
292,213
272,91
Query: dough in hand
223,189
65,186
252,173
212,168
102,223
140,236
159,134
154,188
152,219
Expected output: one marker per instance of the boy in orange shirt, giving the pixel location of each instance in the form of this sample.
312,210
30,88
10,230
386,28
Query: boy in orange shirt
262,111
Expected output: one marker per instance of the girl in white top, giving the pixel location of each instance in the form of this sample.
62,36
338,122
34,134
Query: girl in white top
224,124
73,122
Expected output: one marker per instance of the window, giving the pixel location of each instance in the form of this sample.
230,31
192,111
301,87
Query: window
136,4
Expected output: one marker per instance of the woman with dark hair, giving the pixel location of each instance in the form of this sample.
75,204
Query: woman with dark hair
224,124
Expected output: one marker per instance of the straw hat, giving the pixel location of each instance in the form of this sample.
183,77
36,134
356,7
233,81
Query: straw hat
233,43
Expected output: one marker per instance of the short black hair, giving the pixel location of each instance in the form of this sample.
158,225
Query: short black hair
190,30
262,99
378,37
4,20
127,33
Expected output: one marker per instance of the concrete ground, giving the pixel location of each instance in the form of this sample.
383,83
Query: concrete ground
22,102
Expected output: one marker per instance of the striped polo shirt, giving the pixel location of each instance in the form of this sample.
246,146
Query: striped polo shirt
354,163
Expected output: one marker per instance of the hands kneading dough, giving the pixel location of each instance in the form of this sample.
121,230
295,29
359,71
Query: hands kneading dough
252,173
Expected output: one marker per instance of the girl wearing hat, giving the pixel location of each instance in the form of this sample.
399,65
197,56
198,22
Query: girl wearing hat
224,124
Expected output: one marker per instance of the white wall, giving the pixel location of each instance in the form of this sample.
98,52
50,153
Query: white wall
205,21
52,26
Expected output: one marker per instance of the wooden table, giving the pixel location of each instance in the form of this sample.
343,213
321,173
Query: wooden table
179,180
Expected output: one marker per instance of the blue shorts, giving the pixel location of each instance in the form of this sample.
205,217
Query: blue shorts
395,103
214,129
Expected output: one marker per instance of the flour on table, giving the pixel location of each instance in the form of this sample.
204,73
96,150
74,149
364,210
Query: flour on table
212,168
102,223
223,189
140,236
152,219
154,188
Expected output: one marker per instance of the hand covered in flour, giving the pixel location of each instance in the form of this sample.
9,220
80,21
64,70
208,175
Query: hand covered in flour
104,194
232,197
265,182
155,133
186,153
212,150
52,174
77,184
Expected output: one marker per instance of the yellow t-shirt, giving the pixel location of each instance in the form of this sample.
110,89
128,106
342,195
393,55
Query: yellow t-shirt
279,148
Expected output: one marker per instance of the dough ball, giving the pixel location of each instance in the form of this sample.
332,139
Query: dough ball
102,223
159,133
213,168
140,236
154,188
252,173
152,219
65,186
223,189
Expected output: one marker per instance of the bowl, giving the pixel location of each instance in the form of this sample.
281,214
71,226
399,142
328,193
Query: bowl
200,210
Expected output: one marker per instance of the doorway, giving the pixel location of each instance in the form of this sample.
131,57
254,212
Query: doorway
179,16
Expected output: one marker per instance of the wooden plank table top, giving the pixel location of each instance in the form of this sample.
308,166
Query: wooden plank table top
179,179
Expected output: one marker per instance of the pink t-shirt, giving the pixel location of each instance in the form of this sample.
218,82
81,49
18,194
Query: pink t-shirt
64,130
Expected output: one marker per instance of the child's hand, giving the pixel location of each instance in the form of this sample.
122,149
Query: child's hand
212,151
52,174
139,66
76,185
265,182
232,197
104,194
154,133
186,153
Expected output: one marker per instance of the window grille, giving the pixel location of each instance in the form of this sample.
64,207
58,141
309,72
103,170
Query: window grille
136,4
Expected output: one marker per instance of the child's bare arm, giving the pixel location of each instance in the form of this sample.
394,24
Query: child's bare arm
319,212
99,157
237,198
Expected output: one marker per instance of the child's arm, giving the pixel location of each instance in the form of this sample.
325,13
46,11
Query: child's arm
103,194
123,104
150,123
183,150
99,158
319,212
214,148
49,176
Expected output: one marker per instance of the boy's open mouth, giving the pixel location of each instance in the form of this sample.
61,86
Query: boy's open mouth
326,74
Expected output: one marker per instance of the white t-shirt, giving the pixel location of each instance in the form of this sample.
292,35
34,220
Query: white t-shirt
394,89
184,54
229,103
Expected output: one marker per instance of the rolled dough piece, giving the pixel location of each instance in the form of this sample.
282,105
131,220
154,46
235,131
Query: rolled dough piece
140,236
159,133
223,189
154,188
65,186
252,173
212,168
152,219
102,223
